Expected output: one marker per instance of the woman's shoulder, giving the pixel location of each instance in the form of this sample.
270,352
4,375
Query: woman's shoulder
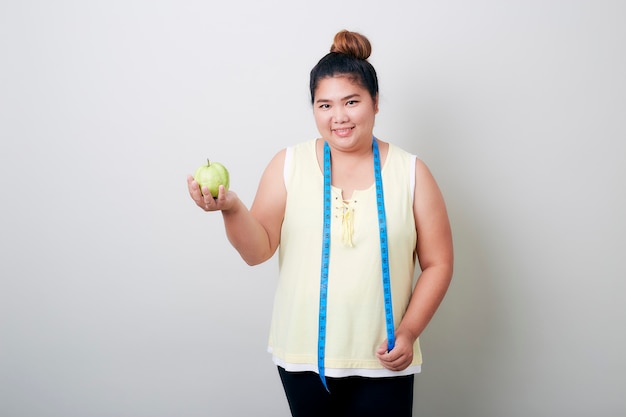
400,151
301,154
306,145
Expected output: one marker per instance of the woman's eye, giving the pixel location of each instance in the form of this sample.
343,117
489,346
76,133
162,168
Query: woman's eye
324,106
351,102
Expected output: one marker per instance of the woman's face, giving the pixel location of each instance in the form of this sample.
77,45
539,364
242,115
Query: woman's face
344,112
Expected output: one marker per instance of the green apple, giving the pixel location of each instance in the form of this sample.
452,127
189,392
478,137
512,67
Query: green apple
212,175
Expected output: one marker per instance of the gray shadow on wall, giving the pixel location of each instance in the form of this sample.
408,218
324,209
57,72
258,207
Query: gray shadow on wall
458,343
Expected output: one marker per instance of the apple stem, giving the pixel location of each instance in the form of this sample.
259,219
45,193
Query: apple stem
208,163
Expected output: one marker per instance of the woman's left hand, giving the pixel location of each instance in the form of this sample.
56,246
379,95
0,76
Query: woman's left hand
400,357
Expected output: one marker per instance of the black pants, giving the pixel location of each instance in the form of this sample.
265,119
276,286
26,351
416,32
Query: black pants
350,396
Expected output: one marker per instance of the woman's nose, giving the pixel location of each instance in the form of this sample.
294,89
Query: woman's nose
340,115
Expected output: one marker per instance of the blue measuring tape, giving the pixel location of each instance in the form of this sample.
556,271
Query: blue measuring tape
384,249
384,252
321,340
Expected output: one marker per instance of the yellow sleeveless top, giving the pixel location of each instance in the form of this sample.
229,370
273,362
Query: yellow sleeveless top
355,309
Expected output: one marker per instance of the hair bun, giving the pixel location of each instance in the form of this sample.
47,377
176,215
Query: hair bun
351,43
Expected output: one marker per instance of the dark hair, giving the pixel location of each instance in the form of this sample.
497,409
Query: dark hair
348,56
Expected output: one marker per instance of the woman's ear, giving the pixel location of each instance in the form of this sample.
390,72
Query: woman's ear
376,104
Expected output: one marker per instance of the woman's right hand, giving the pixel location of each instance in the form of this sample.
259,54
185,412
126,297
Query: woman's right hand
225,200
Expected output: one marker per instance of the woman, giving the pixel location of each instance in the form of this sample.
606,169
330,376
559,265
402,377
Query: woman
350,215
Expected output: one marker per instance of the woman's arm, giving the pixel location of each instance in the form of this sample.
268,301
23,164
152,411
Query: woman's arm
436,258
254,233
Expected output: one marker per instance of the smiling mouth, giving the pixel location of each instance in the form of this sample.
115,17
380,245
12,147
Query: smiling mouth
343,132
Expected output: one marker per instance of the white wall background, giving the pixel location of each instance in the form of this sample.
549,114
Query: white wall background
118,297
